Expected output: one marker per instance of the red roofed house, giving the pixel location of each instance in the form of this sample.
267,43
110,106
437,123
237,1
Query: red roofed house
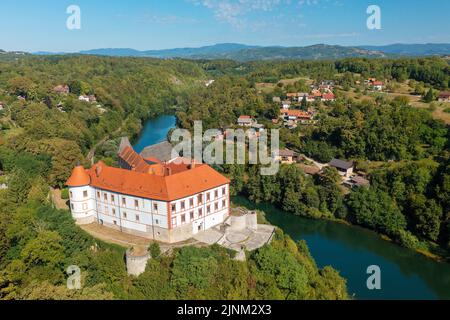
245,121
444,96
165,201
329,96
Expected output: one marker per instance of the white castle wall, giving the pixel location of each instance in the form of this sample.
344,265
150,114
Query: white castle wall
82,204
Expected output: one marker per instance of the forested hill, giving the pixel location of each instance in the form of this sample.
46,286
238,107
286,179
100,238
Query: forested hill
242,53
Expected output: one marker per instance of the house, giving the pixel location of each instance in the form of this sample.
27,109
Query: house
286,156
61,89
293,96
296,115
344,168
377,85
357,182
258,127
245,121
89,98
328,97
286,104
444,97
166,202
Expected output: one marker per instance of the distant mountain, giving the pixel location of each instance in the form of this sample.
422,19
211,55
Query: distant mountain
240,52
429,49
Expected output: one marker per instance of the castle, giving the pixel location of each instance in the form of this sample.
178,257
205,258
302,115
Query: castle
167,200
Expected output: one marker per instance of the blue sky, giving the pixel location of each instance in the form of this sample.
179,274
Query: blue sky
32,25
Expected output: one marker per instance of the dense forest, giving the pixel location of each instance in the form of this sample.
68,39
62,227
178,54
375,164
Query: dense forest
45,133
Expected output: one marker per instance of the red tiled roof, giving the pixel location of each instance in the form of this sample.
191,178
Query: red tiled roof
183,181
245,117
79,178
328,96
296,113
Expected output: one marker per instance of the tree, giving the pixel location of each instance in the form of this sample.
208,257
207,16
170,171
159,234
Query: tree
44,250
18,187
429,97
427,215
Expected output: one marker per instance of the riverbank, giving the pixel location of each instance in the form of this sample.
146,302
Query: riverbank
350,249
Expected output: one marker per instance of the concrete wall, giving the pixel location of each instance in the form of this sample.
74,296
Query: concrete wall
238,223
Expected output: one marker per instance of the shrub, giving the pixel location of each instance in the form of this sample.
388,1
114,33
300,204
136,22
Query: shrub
155,250
65,194
407,239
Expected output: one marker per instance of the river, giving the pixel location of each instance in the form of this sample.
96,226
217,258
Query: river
154,131
405,274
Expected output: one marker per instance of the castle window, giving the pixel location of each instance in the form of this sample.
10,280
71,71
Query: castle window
98,194
124,215
192,215
174,207
72,206
200,199
183,205
105,197
183,218
224,191
155,207
156,221
191,202
115,222
208,197
216,206
112,198
200,212
85,194
71,195
208,209
113,212
216,194
136,204
224,203
137,217
124,202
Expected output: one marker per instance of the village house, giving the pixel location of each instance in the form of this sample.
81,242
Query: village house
444,97
168,202
374,84
286,156
296,116
344,168
245,121
326,97
286,104
61,89
89,98
357,182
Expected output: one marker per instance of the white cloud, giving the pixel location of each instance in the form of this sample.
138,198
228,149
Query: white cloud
234,12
